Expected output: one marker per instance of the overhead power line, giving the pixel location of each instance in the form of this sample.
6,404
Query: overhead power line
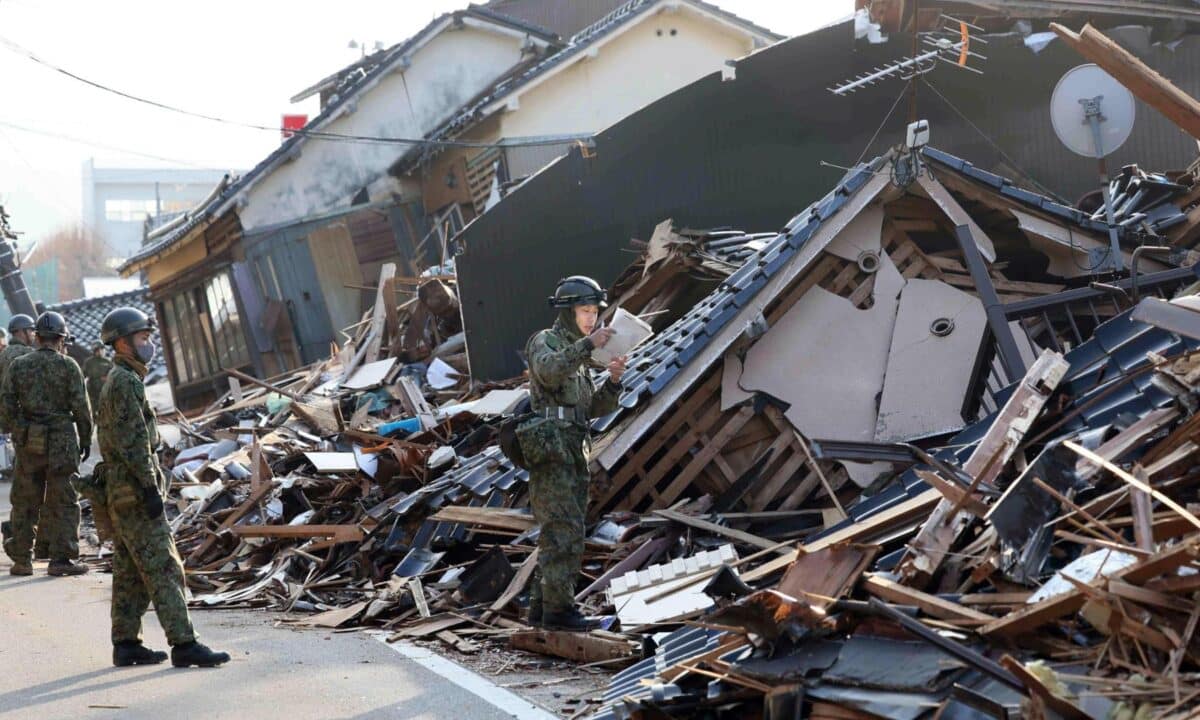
100,145
315,134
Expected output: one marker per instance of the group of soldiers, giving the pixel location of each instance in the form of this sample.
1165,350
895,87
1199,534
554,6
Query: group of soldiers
46,406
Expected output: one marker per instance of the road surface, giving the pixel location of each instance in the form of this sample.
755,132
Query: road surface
55,662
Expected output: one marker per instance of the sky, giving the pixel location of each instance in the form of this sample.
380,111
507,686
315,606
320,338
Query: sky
239,60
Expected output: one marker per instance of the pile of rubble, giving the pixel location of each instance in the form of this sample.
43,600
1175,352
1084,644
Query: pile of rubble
1001,525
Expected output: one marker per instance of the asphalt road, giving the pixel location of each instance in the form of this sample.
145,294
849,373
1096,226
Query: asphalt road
55,662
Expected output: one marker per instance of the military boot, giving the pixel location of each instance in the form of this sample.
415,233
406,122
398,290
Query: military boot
135,653
20,567
60,568
193,653
570,619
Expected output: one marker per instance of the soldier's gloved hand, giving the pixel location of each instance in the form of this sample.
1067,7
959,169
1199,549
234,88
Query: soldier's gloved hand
601,336
152,502
85,452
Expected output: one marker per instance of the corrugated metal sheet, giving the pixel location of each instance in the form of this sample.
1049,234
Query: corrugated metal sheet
746,154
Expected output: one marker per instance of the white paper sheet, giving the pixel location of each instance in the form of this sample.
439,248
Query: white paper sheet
629,331
441,376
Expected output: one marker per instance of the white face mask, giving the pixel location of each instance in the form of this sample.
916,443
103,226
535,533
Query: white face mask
146,351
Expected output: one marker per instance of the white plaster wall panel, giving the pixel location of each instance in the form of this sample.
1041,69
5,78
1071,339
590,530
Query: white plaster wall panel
827,358
927,375
626,74
444,74
862,235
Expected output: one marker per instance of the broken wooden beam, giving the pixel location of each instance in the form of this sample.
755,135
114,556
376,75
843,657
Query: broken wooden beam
1151,87
591,647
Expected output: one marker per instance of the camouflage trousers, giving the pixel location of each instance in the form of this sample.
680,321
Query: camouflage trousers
43,503
558,494
146,567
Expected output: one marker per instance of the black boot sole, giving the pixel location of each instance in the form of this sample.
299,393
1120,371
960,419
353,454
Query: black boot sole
132,663
188,664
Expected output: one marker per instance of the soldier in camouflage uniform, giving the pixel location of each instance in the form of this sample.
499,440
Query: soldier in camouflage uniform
95,370
564,400
146,565
43,403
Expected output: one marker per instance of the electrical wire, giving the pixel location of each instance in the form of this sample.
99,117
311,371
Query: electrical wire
316,134
1007,158
53,199
880,128
95,144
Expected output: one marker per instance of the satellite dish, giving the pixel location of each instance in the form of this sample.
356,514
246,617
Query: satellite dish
1080,93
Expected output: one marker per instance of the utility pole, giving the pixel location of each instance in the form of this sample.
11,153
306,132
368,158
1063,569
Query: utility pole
12,285
912,82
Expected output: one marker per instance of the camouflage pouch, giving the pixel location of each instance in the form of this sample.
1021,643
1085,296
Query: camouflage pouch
37,438
124,494
92,488
542,443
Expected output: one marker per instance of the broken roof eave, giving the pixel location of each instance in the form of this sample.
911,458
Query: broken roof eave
397,57
663,401
472,16
141,263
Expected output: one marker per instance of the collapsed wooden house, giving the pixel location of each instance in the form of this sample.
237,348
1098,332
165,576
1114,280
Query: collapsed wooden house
910,295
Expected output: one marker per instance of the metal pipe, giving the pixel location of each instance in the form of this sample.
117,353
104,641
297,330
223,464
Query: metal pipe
1133,265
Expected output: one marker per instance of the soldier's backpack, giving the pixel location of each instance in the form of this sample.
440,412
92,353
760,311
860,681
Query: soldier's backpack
510,445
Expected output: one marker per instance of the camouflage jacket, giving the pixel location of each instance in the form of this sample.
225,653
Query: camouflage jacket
15,350
46,388
95,370
127,426
558,367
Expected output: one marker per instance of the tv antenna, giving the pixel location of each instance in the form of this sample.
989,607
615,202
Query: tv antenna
1093,115
950,43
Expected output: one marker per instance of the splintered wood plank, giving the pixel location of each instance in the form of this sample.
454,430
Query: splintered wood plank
715,529
941,530
1032,617
706,391
580,647
931,605
230,520
1133,482
823,576
501,518
864,530
515,587
706,454
1152,88
690,432
339,533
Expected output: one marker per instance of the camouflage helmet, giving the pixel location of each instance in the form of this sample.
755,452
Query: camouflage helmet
51,325
578,290
97,346
123,322
20,321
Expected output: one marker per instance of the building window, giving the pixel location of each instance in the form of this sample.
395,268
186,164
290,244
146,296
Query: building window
204,330
129,210
174,206
227,323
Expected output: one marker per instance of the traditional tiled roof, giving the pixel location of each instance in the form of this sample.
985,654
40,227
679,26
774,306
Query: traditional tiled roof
581,41
85,316
350,88
653,365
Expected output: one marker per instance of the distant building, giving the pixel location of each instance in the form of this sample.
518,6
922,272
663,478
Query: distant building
117,201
